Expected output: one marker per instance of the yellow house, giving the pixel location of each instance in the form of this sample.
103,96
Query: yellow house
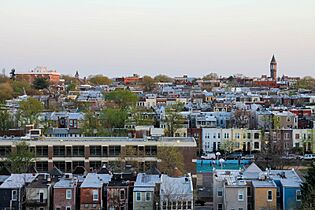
265,194
238,137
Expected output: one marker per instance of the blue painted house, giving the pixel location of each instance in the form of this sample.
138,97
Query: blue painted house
288,189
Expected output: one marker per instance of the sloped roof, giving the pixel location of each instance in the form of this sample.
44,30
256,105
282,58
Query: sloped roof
174,187
55,172
17,181
153,171
253,168
103,170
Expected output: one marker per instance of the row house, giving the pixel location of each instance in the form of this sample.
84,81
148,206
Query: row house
12,190
65,193
145,191
92,193
253,189
243,139
176,192
118,191
38,193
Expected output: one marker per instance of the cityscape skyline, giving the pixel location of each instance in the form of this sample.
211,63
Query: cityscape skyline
119,38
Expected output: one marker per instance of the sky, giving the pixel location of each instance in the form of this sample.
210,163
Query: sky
150,37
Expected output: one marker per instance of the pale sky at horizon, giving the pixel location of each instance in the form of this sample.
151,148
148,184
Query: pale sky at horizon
150,37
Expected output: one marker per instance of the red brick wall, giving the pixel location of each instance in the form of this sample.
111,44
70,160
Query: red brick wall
60,200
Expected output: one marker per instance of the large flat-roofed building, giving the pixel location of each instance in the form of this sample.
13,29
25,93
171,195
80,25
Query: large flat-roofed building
92,152
39,72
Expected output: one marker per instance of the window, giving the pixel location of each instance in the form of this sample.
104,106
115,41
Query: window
4,151
240,208
41,208
95,195
41,151
59,151
148,196
278,191
95,151
184,205
189,204
256,135
78,151
42,166
269,195
68,194
114,151
220,206
150,150
138,196
41,197
122,194
219,192
298,195
297,136
14,195
68,208
58,208
240,195
256,145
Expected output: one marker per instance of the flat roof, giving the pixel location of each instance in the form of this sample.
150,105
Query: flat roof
164,141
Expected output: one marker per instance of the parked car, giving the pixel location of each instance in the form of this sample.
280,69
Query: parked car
309,156
291,157
234,156
210,156
248,157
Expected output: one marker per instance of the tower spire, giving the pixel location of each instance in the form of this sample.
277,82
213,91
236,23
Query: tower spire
273,68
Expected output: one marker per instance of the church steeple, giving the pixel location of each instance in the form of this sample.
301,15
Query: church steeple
273,68
76,75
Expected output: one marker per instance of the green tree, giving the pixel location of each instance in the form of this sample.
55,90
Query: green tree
308,189
170,157
162,78
306,83
90,125
122,98
29,110
40,83
173,119
113,118
71,87
99,80
21,87
6,121
139,118
21,160
227,146
148,83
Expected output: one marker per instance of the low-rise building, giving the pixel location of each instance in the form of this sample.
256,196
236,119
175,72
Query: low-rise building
176,192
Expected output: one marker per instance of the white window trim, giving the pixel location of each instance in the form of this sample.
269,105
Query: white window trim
137,196
148,193
93,193
240,192
15,199
297,195
68,190
268,195
219,190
